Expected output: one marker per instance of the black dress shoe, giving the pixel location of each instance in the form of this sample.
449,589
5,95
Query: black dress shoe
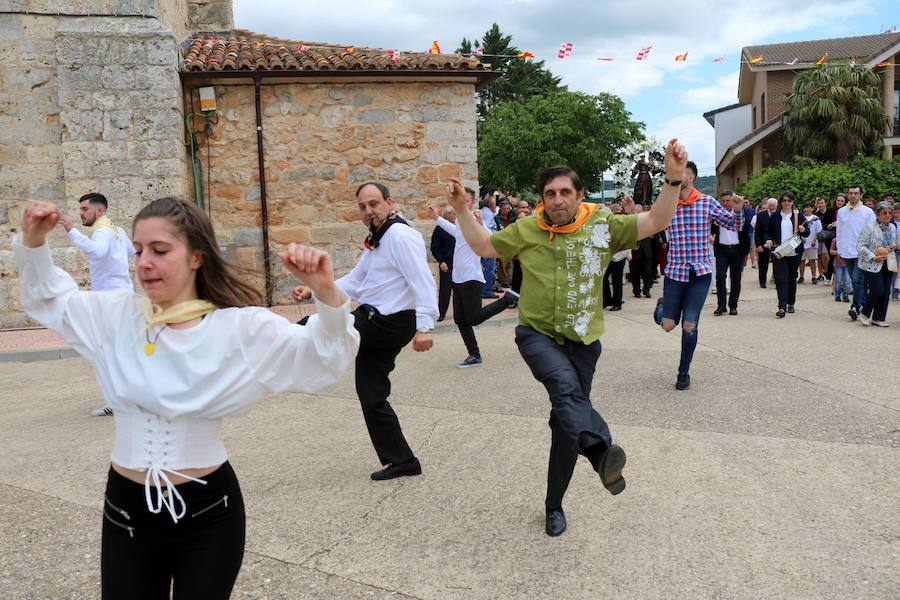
790,309
399,470
762,285
614,308
719,311
637,294
439,319
732,312
611,464
780,313
646,294
683,382
556,522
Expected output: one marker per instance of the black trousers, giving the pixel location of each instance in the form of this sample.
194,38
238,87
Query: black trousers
516,283
785,271
468,311
576,427
642,271
382,337
762,265
612,284
143,553
445,286
728,258
878,295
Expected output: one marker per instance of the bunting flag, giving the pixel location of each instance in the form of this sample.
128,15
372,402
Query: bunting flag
565,50
642,55
349,50
681,57
524,55
793,62
718,59
886,63
822,60
435,48
395,56
479,51
756,59
302,48
606,58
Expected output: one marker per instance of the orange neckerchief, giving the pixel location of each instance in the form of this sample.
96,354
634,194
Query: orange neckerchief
695,195
584,211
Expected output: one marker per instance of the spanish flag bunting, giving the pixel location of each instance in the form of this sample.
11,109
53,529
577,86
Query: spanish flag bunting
718,59
302,48
681,57
349,50
435,48
525,55
886,63
822,60
756,59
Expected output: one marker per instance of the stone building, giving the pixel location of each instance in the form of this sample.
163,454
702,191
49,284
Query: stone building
105,97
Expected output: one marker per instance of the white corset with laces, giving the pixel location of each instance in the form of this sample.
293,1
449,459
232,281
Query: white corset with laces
166,446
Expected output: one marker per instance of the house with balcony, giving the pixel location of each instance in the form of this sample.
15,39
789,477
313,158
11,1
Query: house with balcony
749,132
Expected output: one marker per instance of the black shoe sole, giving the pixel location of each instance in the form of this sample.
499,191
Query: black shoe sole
611,466
682,386
553,533
406,472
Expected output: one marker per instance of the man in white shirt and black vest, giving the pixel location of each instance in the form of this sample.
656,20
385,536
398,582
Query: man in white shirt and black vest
397,304
107,248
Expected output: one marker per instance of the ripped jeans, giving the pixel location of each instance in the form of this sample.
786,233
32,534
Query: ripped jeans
682,302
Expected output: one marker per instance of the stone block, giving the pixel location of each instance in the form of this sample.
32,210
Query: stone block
76,77
117,124
40,131
118,77
99,51
361,99
166,167
131,52
4,214
286,234
38,54
428,114
362,173
160,51
449,170
427,174
10,27
50,191
392,173
153,77
247,237
327,234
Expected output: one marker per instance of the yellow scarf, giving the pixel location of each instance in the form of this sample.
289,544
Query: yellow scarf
105,223
584,211
180,313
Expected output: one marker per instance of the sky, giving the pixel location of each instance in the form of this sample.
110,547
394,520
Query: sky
669,97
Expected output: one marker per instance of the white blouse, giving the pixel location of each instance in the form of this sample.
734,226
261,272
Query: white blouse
466,264
168,407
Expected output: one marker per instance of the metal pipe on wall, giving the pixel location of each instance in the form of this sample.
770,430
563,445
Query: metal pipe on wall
262,193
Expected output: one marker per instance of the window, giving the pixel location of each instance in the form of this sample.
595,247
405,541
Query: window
762,103
754,117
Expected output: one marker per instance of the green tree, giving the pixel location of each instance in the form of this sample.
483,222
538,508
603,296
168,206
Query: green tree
522,78
834,113
583,131
808,179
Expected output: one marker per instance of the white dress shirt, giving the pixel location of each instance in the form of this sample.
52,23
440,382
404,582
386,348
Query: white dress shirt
168,406
787,228
395,277
728,237
107,258
466,264
850,223
488,216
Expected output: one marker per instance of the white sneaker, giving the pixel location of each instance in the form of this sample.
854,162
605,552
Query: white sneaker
880,323
864,320
103,411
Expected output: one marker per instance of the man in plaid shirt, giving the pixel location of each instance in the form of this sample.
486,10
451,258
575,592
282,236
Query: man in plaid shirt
689,267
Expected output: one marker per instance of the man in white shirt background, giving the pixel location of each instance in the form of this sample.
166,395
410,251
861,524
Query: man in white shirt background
107,248
851,219
397,304
488,265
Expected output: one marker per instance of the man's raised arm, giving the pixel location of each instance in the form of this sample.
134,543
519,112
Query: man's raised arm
477,237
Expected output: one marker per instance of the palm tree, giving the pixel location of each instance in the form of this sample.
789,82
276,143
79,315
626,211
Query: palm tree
834,112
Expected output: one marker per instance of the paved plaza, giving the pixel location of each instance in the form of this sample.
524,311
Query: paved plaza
776,476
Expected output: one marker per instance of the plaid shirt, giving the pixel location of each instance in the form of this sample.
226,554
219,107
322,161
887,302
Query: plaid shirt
689,244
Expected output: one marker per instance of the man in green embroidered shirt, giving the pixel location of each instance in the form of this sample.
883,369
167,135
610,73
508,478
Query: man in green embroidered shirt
564,250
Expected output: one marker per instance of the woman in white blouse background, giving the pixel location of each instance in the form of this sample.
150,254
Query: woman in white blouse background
171,367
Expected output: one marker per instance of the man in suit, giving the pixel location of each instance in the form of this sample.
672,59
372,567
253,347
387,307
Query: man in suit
760,232
730,248
442,246
643,263
782,226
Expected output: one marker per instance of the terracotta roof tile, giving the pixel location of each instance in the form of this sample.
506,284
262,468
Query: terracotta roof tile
215,54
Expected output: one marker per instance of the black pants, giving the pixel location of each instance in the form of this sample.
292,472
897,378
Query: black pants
468,311
728,258
762,265
878,295
516,283
612,284
642,271
576,428
445,286
785,271
382,337
142,553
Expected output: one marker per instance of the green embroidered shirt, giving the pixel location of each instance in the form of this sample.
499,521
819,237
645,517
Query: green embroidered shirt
562,279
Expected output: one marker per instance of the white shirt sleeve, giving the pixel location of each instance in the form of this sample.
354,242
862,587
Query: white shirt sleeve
753,222
283,356
96,246
409,255
50,296
447,226
351,282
